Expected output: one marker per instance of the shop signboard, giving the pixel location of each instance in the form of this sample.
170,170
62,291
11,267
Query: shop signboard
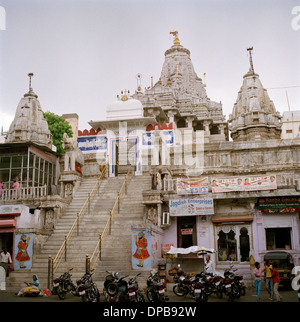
191,207
279,204
248,183
192,186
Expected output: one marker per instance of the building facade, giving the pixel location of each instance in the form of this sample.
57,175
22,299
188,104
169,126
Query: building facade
239,197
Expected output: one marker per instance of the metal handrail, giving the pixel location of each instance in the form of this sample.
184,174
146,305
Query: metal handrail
63,249
97,251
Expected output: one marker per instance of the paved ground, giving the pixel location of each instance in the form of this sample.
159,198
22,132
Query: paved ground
287,295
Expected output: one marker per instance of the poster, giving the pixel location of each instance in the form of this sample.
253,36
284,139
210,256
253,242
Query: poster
192,186
249,183
279,204
23,251
141,249
191,207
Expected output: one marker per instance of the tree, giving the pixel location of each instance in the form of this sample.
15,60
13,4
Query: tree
58,126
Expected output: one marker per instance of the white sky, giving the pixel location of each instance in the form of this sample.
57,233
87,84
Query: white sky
84,52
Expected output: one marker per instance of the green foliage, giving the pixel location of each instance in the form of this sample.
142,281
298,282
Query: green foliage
58,126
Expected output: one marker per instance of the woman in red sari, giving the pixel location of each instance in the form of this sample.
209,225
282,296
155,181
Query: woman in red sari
141,252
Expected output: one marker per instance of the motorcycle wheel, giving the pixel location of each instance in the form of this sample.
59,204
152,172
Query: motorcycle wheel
219,294
243,291
179,290
112,289
149,295
61,294
140,298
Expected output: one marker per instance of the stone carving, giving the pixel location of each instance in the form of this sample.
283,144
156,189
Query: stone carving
152,215
49,219
68,190
69,146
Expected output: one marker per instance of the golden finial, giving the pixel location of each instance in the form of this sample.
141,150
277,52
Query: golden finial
204,77
176,40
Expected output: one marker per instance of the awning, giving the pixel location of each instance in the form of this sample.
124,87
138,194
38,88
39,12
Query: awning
192,249
8,223
232,219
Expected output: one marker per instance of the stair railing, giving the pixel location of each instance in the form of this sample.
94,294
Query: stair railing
92,261
53,263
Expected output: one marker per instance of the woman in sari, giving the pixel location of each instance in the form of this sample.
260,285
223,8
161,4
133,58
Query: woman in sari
33,288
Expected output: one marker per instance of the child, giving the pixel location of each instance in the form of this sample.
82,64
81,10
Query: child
276,281
258,273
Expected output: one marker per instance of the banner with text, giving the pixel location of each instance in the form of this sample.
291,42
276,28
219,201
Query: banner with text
192,186
249,183
191,207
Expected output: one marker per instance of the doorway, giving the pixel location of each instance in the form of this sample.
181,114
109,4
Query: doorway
186,233
7,241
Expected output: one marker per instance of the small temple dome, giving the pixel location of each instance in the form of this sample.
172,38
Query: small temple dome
124,108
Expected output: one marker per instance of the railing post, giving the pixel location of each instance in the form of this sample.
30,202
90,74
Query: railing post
65,248
77,223
50,268
100,246
89,202
118,202
87,264
110,218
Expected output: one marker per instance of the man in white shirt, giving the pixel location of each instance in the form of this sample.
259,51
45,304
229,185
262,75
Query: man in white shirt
209,266
5,259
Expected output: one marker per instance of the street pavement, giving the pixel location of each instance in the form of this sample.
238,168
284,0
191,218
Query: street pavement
287,296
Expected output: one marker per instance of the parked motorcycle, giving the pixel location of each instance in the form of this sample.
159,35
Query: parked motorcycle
134,293
87,289
200,288
63,285
115,288
231,285
155,290
183,285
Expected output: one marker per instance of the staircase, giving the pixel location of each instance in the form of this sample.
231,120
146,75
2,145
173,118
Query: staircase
117,250
91,225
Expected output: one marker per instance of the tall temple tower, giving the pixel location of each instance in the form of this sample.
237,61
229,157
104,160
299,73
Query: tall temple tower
179,96
254,116
29,124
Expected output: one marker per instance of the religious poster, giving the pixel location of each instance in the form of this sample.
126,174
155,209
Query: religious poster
249,183
23,251
279,204
191,207
88,144
192,186
141,249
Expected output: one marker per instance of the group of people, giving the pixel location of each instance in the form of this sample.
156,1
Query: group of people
15,186
271,274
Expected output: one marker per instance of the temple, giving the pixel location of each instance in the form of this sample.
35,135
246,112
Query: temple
161,167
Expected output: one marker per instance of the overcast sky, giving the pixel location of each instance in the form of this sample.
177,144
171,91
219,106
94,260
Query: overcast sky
84,52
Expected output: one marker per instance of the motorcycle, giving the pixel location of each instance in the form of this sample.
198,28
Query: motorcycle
231,286
134,294
183,285
155,290
63,285
200,292
115,288
87,289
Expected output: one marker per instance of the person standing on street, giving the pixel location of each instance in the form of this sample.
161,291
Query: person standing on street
258,274
5,259
268,269
276,281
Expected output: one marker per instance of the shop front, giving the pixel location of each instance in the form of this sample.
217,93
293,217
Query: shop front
278,226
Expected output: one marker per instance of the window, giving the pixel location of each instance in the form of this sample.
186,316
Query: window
233,243
278,238
289,131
